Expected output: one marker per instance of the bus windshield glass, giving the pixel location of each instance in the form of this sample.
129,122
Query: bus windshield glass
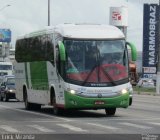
96,62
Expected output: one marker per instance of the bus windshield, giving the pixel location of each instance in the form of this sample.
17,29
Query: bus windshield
96,62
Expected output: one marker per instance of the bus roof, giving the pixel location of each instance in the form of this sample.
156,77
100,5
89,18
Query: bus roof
87,31
84,31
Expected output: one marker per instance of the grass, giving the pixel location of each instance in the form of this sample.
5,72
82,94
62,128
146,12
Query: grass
146,90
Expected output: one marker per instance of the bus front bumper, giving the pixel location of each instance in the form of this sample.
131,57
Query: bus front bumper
78,102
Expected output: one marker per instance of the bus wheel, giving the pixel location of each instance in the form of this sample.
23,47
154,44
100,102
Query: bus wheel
130,101
37,106
52,97
28,106
58,111
110,111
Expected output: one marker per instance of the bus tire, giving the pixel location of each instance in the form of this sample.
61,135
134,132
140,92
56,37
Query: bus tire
58,111
52,97
110,111
28,106
130,101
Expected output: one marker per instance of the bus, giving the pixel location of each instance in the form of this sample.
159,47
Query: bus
66,66
6,68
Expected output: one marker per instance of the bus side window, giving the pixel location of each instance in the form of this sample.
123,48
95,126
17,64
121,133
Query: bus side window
49,48
57,57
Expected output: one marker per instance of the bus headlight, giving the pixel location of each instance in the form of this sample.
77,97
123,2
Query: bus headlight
72,91
124,91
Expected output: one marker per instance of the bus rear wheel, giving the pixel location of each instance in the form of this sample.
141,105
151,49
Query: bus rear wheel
110,111
29,106
58,111
25,98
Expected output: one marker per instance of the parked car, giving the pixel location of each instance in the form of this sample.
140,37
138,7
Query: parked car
7,89
146,82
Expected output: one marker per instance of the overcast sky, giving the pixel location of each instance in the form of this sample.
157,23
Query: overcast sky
24,16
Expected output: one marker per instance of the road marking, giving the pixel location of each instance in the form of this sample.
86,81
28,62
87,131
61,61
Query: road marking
104,126
118,119
135,125
8,129
41,128
154,123
35,113
73,128
47,121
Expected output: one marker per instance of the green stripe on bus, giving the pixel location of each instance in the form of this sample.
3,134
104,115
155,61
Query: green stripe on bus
26,74
39,76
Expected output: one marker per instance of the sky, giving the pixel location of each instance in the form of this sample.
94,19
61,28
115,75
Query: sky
24,16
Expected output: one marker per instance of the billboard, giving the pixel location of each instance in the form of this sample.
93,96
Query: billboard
5,35
150,40
119,16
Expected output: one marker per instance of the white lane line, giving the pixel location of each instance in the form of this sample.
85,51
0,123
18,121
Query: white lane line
47,121
135,125
103,126
9,129
73,128
154,123
35,113
41,128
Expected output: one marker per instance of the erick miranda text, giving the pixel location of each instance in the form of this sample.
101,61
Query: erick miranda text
17,137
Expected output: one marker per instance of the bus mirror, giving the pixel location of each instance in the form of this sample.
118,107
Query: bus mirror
62,51
133,51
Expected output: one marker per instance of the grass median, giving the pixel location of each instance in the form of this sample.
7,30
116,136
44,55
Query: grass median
144,90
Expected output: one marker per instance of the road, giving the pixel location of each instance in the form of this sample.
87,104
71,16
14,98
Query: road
143,117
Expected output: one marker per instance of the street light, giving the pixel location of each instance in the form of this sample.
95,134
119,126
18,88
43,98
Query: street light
48,12
5,7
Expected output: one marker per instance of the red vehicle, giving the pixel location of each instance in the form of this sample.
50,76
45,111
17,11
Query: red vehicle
133,73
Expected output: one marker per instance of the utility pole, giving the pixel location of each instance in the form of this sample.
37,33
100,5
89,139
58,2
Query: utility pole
48,12
158,66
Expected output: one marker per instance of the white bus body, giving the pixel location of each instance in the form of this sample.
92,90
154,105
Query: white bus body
43,78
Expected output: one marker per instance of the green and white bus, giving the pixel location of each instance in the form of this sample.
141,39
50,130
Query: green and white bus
73,66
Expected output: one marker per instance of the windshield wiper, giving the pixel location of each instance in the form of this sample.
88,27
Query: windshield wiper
84,82
109,77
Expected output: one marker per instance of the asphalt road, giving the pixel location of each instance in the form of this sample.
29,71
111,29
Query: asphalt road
142,118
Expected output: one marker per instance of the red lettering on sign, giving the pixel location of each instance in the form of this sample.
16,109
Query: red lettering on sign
116,16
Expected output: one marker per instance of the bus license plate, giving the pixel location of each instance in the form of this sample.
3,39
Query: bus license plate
99,102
